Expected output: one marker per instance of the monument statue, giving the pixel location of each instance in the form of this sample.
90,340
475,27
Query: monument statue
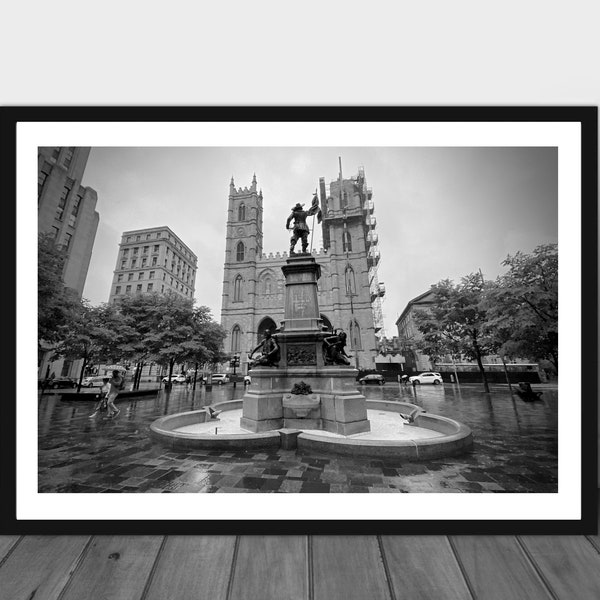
301,230
334,348
270,354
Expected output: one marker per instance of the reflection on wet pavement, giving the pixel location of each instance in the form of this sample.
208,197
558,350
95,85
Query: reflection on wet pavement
515,449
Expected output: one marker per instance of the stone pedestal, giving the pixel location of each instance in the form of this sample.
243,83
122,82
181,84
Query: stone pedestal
342,408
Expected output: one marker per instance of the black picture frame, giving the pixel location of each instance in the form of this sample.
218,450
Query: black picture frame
587,119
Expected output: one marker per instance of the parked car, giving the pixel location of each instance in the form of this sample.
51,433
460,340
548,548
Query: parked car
372,378
175,378
247,380
95,381
427,377
220,378
62,382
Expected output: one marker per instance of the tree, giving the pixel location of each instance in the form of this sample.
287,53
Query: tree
168,329
58,305
91,334
455,323
522,306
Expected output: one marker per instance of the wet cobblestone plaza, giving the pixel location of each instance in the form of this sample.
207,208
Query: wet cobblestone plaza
515,449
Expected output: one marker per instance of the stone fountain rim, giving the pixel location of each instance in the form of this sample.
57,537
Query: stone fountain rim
457,437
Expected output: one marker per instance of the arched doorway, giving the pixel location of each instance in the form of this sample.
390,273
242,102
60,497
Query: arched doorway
266,323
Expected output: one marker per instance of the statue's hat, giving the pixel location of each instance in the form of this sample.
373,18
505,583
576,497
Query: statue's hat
298,206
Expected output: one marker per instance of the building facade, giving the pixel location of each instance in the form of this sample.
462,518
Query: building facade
349,293
67,210
153,260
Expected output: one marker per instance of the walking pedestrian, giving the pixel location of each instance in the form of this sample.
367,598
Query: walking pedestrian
102,403
116,384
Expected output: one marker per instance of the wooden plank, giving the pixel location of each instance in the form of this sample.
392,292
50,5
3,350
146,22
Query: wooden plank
40,566
348,567
192,567
271,567
115,567
423,567
497,568
568,563
7,542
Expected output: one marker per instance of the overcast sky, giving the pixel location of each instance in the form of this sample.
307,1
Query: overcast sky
441,212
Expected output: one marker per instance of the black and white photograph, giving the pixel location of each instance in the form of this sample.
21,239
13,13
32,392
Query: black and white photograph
363,331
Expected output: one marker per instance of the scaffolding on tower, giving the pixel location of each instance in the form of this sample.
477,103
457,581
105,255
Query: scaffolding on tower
376,288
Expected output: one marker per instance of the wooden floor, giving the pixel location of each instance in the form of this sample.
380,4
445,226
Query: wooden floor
297,567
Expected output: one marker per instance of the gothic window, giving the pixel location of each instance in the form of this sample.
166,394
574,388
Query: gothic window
350,281
268,285
355,343
235,338
345,199
242,212
237,289
346,241
240,252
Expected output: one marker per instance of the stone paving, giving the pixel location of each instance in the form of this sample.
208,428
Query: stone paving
515,449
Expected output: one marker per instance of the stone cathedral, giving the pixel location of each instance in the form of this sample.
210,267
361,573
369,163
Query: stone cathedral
349,293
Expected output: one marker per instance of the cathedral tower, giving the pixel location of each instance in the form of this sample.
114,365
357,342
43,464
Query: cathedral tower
243,245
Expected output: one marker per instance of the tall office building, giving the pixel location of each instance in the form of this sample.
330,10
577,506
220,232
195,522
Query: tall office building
349,292
153,260
67,209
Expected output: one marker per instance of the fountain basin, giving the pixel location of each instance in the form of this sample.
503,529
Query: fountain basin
427,436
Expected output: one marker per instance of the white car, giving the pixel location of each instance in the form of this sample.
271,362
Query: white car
220,378
174,379
95,381
427,377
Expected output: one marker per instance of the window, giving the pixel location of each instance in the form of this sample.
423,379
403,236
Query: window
240,252
146,248
133,263
68,157
118,290
123,264
242,212
151,275
350,281
45,171
67,241
346,242
138,289
154,260
55,153
129,276
235,339
355,342
55,232
268,285
141,275
345,199
62,203
150,286
120,277
162,289
144,261
171,281
164,276
135,251
137,238
128,289
147,236
126,253
156,248
237,289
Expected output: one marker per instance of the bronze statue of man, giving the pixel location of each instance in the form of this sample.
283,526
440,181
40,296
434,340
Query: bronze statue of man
301,230
270,353
334,348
